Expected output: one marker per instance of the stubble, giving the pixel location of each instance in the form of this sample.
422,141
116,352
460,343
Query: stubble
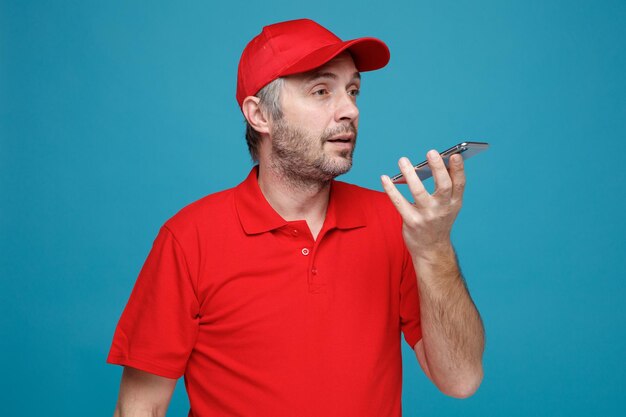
301,159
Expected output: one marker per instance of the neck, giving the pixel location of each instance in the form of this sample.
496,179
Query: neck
295,198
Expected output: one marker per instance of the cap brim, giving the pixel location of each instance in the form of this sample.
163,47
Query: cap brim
369,54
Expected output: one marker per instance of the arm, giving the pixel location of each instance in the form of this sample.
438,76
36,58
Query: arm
452,342
450,352
143,394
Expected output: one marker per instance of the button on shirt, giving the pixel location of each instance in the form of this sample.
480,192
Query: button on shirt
263,320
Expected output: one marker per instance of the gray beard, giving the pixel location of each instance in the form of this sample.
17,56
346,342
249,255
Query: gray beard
302,161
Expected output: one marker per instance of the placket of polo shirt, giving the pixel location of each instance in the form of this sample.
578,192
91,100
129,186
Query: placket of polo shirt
306,247
317,279
303,243
299,232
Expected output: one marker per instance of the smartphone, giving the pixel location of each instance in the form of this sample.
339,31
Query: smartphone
466,149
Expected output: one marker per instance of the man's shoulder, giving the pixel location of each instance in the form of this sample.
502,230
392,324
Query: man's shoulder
375,198
212,209
346,187
375,205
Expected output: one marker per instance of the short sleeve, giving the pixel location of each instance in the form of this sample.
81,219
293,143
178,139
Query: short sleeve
409,303
159,326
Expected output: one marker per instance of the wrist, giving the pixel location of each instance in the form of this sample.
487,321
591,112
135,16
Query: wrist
435,253
438,267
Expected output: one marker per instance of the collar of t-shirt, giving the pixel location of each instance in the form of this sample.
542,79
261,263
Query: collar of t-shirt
257,216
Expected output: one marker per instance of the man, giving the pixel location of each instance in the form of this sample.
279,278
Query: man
287,295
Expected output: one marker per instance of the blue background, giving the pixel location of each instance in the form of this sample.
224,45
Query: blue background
114,115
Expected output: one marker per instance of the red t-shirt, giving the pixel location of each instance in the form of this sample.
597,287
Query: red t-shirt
263,320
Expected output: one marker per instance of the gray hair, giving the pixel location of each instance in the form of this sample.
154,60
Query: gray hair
269,102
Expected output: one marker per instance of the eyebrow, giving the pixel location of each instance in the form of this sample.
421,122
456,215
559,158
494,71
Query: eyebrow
317,75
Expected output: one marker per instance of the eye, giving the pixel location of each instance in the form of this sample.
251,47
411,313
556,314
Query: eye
354,92
320,92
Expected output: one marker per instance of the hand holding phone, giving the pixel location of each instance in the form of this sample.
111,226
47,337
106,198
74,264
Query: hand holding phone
465,149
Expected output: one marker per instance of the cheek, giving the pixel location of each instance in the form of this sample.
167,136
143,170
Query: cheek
313,125
312,119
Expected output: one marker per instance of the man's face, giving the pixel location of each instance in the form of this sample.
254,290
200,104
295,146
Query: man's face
315,139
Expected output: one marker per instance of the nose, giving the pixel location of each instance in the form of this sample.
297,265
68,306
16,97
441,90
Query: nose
346,109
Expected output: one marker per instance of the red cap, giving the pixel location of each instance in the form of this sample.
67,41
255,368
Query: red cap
296,46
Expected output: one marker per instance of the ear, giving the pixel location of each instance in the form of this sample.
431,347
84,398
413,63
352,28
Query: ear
253,114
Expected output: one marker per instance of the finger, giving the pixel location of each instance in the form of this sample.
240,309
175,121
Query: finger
457,173
405,208
443,183
418,191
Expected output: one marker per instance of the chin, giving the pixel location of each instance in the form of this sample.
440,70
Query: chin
338,168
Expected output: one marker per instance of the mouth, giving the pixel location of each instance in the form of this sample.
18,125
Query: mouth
345,138
343,145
